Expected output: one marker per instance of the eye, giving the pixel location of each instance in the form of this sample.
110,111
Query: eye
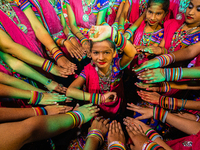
149,11
95,53
159,13
198,8
190,6
107,52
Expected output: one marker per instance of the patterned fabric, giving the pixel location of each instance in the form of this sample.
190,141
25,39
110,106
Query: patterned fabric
23,4
1,27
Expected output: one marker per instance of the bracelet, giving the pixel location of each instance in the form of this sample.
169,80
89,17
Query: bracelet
53,48
173,74
152,134
48,82
35,98
120,41
57,54
116,145
197,120
183,104
83,40
78,118
40,111
130,32
60,41
97,134
95,98
166,59
172,102
113,34
160,114
63,41
164,87
164,50
69,36
115,25
47,65
104,24
149,145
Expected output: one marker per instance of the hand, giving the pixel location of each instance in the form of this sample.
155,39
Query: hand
86,46
153,75
101,33
88,111
152,97
115,133
62,72
148,87
73,50
146,113
57,109
100,124
52,98
65,63
110,96
54,86
81,49
152,50
137,136
153,63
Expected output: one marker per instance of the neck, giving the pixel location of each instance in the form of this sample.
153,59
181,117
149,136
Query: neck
104,70
151,28
192,25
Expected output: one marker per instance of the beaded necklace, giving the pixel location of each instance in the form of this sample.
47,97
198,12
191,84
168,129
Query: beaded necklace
179,36
85,8
104,80
8,10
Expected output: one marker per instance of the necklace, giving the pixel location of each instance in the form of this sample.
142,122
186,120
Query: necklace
104,80
85,8
8,10
145,41
54,4
179,36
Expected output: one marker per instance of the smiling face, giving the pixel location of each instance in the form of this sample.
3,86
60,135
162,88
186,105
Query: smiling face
192,15
102,54
155,14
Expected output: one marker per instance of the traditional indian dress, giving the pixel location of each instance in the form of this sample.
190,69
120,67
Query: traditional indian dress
83,22
49,15
27,39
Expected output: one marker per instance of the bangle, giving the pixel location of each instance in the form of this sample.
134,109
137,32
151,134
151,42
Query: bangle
57,54
40,111
183,104
83,40
159,114
53,48
173,74
63,41
120,41
115,25
166,59
35,98
164,50
197,120
152,134
164,87
116,145
172,102
78,118
47,65
48,82
83,96
97,134
95,98
130,32
149,145
104,24
69,36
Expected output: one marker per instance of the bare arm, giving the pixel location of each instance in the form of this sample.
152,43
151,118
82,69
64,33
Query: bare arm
124,13
101,16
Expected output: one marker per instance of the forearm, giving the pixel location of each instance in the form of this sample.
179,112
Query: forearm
17,83
191,73
78,94
137,22
186,85
92,143
162,143
77,32
185,125
119,11
101,16
124,13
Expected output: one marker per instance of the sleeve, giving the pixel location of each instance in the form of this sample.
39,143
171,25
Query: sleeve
66,1
82,74
24,4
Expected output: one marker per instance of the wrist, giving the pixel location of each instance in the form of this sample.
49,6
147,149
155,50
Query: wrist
38,111
83,40
97,134
96,98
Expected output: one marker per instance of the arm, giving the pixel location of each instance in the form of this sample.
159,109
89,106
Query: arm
124,13
119,11
101,16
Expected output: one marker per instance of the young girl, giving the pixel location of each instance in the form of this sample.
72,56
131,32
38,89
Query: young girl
103,76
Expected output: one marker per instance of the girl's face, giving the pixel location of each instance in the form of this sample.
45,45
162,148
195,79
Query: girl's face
102,54
192,15
155,14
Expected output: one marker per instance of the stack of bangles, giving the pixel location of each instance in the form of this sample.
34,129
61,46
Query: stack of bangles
116,145
69,36
39,111
35,97
166,59
152,134
168,102
97,134
83,40
115,25
150,145
173,74
78,118
159,114
163,50
47,65
121,29
57,54
97,99
164,87
130,32
120,41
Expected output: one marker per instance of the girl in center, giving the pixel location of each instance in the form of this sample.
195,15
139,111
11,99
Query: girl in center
103,76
